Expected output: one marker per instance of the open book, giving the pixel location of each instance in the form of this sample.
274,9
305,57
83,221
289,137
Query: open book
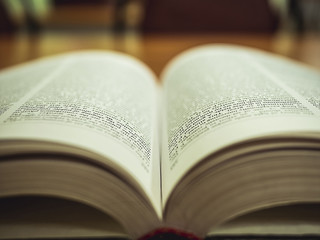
230,130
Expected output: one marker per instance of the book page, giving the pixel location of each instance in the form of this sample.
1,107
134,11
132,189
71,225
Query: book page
218,96
100,102
291,220
41,218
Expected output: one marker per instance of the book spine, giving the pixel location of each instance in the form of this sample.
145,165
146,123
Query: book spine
169,233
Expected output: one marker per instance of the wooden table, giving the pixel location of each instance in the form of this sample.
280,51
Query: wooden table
155,50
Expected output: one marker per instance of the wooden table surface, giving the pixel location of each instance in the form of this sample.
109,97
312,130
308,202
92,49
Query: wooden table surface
153,49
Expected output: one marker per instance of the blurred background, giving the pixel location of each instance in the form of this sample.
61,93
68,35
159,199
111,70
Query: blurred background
156,30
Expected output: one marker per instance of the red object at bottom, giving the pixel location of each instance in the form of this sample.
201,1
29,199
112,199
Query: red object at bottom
169,234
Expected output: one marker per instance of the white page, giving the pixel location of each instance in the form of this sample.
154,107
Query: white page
217,96
101,102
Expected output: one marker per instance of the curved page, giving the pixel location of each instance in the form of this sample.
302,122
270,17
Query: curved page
99,102
218,96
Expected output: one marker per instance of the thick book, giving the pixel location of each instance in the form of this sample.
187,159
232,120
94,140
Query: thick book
227,130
